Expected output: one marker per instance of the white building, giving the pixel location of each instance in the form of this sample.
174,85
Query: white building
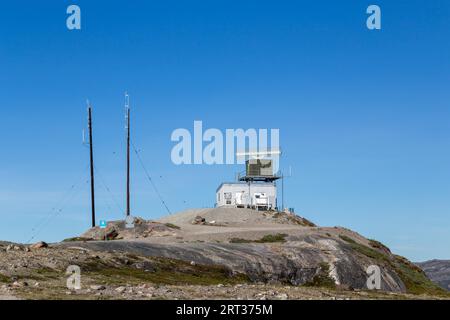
258,195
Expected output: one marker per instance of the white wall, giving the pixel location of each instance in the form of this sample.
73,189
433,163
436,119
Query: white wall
242,188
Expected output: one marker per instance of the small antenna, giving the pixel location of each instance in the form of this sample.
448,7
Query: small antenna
127,108
127,100
83,136
83,132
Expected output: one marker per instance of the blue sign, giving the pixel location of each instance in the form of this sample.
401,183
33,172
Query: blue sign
103,224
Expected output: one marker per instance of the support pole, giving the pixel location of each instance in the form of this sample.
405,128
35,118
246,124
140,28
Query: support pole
91,147
127,110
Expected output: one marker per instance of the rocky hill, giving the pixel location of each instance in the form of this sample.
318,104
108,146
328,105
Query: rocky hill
438,271
266,247
211,253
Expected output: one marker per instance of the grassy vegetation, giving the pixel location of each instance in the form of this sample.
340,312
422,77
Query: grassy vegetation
279,237
270,238
4,279
308,223
124,271
42,274
165,271
47,273
77,239
322,279
369,252
294,219
378,245
346,239
414,279
172,226
240,240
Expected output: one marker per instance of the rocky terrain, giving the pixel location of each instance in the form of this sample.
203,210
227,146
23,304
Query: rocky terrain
225,253
438,271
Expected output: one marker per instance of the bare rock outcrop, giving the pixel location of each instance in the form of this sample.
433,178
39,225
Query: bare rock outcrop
117,230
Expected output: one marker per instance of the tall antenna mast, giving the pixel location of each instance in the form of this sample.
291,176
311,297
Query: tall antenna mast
91,147
127,127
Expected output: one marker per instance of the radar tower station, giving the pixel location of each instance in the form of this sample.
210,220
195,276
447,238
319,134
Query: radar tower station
256,188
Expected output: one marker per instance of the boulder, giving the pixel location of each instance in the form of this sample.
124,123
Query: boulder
199,220
111,233
39,245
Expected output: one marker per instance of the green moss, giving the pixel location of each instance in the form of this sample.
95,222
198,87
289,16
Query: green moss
240,240
172,226
270,238
77,239
279,237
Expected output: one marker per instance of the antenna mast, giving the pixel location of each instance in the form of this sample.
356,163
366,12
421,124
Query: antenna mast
127,127
91,162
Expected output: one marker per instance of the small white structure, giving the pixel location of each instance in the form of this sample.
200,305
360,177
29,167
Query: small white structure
257,195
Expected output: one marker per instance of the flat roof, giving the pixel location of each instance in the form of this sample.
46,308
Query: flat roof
241,183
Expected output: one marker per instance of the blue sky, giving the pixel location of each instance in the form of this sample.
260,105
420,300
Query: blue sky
363,115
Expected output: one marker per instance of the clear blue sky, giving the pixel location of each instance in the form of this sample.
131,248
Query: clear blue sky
364,115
